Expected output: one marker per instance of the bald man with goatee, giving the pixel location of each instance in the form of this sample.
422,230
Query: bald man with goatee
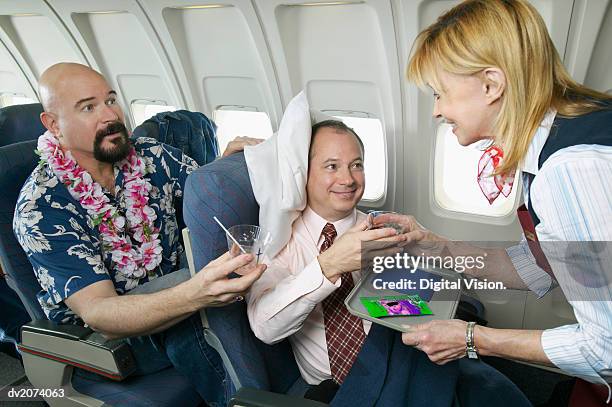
97,220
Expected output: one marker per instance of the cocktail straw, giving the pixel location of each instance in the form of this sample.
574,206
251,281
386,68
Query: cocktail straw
229,234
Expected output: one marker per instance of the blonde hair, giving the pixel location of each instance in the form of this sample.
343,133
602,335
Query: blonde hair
512,36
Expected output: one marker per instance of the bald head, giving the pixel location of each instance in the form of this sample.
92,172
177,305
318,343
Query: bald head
60,78
82,112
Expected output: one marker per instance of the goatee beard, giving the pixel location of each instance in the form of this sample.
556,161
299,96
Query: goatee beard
121,145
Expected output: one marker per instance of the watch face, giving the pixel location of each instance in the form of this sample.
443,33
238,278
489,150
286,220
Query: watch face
472,354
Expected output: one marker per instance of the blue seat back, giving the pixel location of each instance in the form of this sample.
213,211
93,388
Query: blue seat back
191,132
12,318
223,189
20,123
16,164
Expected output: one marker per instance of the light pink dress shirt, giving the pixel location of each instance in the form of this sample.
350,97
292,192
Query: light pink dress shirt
286,300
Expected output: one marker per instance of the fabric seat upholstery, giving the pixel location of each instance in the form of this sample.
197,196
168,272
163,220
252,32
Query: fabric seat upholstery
164,388
20,123
223,189
16,163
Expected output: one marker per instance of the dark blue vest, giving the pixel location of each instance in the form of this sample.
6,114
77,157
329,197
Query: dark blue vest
590,128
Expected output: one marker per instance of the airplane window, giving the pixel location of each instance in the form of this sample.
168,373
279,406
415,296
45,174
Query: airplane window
370,131
235,123
10,99
455,179
143,109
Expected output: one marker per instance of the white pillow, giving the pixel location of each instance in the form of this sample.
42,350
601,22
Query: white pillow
278,169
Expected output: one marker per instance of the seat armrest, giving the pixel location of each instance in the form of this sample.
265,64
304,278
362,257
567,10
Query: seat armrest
249,397
78,346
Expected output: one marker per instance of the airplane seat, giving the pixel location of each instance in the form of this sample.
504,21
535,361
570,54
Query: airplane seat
16,163
12,317
17,123
51,351
20,123
147,129
471,309
191,132
260,373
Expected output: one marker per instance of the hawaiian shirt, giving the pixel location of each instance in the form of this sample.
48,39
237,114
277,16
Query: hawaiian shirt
63,244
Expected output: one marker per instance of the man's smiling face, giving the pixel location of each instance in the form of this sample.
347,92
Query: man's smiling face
336,177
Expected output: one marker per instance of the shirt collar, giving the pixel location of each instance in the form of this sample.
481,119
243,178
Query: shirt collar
530,161
315,223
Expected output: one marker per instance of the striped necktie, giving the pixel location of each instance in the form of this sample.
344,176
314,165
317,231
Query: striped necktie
343,331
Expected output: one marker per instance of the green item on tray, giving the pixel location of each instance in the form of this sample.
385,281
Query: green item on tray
395,305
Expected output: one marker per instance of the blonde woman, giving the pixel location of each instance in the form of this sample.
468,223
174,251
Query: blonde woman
496,75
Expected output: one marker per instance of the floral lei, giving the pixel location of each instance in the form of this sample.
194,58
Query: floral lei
131,261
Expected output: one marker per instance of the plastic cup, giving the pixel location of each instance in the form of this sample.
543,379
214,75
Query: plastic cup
252,239
372,224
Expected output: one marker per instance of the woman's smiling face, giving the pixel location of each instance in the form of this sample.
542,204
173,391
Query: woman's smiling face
466,103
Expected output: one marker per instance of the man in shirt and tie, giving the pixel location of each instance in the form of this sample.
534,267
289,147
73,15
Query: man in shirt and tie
301,296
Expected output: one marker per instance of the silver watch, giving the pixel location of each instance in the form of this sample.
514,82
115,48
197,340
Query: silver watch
470,346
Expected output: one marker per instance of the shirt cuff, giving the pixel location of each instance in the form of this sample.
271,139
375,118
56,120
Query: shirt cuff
525,264
325,288
309,285
567,348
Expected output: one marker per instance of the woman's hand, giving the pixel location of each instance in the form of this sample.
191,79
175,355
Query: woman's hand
443,340
414,231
